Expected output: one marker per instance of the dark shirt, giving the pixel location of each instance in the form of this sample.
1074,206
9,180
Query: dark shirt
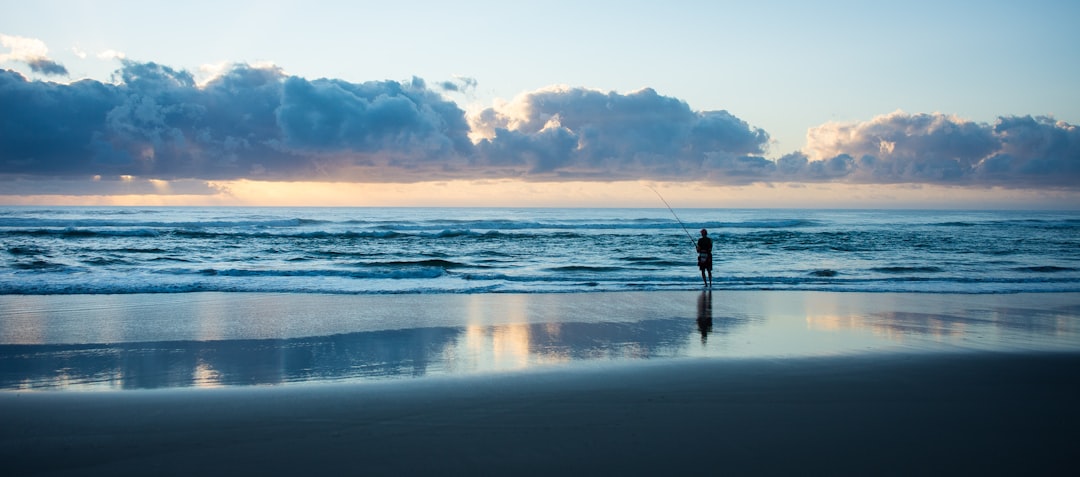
704,245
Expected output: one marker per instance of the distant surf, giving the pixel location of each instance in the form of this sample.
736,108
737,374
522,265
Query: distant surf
111,250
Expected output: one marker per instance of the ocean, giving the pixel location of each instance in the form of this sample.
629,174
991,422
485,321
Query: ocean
124,250
108,298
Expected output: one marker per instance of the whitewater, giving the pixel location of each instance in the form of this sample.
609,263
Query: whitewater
121,250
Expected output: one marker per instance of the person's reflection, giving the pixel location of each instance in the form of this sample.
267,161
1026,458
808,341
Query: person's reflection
704,314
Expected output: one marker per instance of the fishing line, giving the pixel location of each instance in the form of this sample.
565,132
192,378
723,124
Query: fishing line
691,237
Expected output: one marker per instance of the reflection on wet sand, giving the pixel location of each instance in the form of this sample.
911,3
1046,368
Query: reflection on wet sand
704,315
993,325
897,327
491,333
380,354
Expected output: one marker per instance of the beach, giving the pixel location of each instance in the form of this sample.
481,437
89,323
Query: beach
926,415
986,385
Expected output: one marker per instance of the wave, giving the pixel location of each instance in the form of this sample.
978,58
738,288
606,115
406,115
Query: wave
761,224
425,273
584,268
1047,224
826,273
105,261
70,232
906,270
954,224
658,262
1045,269
27,251
319,234
242,235
170,259
31,223
452,233
436,263
40,265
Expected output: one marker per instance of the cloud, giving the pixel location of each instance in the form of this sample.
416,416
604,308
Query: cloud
459,84
31,52
940,149
103,186
46,66
257,122
582,133
248,122
1034,151
387,122
111,55
22,48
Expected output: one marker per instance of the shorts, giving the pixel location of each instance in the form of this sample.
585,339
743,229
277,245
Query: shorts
704,261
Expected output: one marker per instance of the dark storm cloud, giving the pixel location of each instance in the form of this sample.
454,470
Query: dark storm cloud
156,122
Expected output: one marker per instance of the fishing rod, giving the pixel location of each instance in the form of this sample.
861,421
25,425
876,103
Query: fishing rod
691,237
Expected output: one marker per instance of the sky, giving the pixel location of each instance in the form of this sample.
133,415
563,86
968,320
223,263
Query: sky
849,104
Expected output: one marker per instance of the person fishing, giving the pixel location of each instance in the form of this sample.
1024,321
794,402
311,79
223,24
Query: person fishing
704,258
703,244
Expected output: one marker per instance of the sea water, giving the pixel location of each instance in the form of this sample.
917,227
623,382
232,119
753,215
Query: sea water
116,250
301,295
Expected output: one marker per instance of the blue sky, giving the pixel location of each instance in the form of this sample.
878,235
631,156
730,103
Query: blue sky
977,98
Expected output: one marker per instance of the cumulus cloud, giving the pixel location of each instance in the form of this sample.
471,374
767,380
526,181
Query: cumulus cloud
31,52
940,149
583,133
399,122
248,122
1033,151
257,122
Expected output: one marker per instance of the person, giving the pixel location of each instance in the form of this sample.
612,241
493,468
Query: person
704,258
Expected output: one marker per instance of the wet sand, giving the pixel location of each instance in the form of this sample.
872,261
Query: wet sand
969,414
921,385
